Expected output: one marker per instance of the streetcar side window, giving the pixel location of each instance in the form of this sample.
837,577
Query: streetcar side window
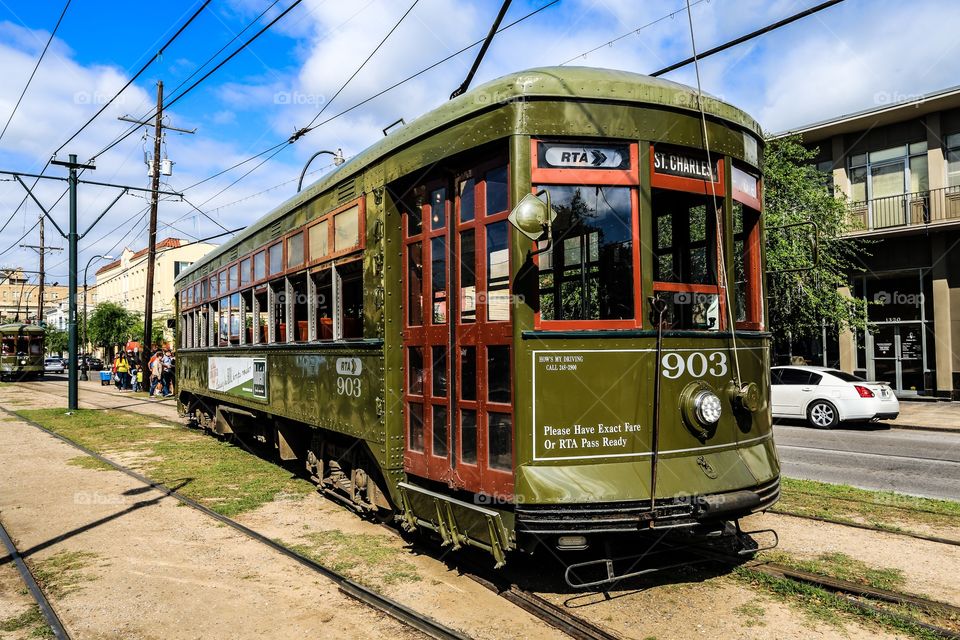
262,316
324,301
588,271
299,320
685,260
279,328
351,292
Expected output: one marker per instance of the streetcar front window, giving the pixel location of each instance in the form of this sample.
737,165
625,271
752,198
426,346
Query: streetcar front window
587,274
36,346
9,346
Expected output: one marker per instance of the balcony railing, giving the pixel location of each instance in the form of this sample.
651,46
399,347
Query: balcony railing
905,210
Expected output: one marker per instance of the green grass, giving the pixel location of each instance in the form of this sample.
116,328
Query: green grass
881,509
841,566
366,558
63,573
30,619
225,478
823,606
86,462
752,614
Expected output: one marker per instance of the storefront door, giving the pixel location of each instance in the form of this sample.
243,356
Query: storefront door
898,357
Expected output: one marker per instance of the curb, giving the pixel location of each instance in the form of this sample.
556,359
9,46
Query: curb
917,427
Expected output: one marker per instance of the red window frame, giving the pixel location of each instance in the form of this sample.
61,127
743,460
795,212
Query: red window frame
699,187
597,177
752,261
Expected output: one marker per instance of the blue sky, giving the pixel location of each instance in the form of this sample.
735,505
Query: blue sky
856,55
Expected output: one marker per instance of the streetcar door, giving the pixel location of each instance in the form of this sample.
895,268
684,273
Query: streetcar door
458,331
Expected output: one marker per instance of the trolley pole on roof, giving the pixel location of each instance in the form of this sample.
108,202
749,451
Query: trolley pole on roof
72,238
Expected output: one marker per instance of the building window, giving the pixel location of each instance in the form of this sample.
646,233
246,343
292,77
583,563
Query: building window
953,160
893,171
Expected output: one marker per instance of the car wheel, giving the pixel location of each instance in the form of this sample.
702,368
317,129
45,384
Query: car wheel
822,414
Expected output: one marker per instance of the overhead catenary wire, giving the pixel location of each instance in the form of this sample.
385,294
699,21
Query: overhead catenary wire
101,110
174,99
610,43
35,67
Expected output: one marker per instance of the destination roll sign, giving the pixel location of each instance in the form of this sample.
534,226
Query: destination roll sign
574,156
673,162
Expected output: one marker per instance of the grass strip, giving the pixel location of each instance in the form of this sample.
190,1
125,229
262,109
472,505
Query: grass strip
882,509
228,479
821,605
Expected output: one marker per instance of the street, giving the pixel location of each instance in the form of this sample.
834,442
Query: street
923,463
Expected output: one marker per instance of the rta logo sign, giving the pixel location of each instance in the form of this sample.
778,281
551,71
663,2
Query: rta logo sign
895,297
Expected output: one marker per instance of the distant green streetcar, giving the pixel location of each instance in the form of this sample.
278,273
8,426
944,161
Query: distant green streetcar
469,324
21,351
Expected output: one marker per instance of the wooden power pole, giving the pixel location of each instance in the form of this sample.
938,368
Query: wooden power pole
158,128
146,347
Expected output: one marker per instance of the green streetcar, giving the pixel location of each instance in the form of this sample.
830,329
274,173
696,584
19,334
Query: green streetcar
469,325
21,351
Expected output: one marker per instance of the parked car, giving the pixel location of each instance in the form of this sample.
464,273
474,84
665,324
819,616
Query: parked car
93,363
826,397
54,365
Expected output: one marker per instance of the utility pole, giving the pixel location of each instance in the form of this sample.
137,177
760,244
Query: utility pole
158,128
72,238
41,249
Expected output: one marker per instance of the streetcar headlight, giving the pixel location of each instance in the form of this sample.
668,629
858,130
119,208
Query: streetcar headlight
708,407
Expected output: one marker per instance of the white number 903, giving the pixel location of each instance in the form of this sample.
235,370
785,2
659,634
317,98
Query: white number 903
348,386
697,364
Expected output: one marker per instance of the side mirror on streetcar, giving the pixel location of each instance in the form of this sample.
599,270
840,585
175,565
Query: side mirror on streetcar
533,216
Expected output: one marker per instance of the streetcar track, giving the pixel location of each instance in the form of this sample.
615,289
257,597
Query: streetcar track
557,617
51,617
348,587
858,525
856,594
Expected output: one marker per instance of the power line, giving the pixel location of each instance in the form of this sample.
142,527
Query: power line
135,76
367,100
109,102
636,31
326,104
749,36
35,67
188,78
193,86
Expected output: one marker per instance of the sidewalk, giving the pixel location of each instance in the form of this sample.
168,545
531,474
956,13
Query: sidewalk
935,416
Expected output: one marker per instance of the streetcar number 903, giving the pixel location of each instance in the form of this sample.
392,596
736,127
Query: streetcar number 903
697,364
348,386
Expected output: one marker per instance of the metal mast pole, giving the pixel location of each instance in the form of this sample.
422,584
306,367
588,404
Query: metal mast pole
146,347
42,251
72,403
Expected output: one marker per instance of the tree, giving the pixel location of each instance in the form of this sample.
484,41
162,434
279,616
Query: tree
801,301
136,331
55,339
110,325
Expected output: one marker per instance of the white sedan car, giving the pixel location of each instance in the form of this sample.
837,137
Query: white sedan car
826,397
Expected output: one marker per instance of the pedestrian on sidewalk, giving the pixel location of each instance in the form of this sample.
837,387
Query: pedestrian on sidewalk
123,371
166,374
156,369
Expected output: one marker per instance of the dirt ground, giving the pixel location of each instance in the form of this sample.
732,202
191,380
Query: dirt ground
182,573
153,570
930,568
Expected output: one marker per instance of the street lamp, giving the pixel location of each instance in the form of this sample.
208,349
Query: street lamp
83,364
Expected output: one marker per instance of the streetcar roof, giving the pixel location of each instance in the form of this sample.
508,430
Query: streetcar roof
585,83
20,327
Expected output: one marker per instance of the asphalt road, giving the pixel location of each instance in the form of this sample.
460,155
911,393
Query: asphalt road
922,463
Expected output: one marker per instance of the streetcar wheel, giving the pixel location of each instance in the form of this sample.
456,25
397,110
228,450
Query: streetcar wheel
823,415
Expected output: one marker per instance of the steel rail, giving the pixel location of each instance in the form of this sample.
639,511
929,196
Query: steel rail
851,592
866,527
48,613
348,587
